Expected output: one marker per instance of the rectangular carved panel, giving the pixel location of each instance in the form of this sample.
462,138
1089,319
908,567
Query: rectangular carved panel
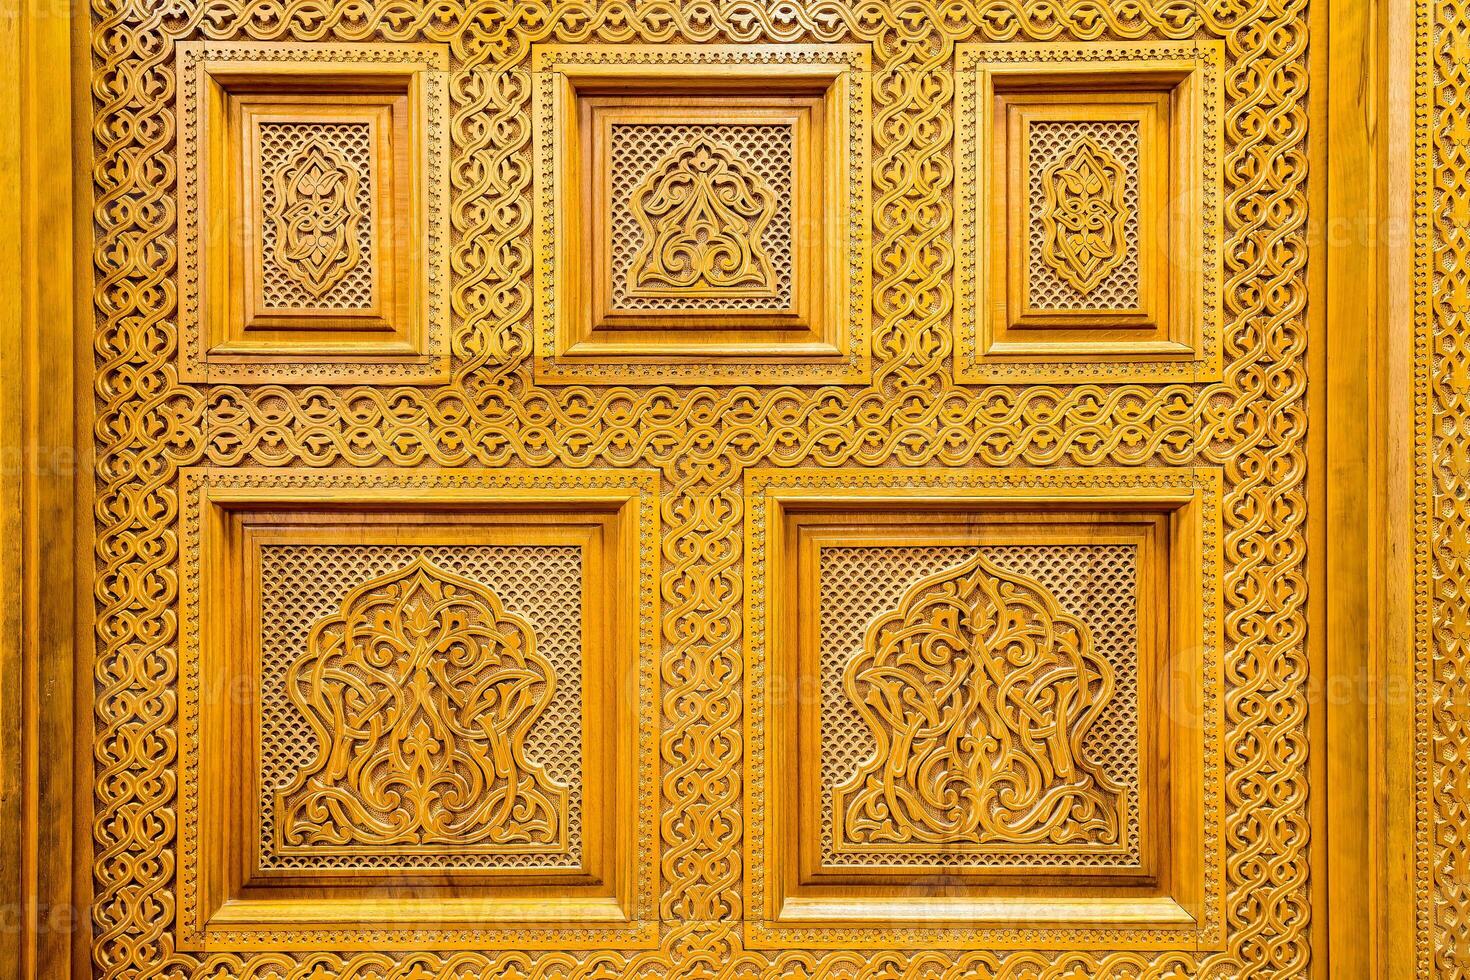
312,238
1088,211
999,685
428,682
314,191
701,216
701,213
1082,221
502,784
1079,605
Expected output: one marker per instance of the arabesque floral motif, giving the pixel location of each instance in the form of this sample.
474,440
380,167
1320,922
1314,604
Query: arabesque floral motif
1084,215
702,212
316,217
420,694
979,691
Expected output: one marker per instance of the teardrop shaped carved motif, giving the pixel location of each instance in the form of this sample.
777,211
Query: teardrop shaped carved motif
979,692
1084,214
316,216
703,213
420,694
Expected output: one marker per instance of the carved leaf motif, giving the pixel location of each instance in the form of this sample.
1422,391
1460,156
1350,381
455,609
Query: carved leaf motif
979,691
420,694
1084,215
703,213
316,217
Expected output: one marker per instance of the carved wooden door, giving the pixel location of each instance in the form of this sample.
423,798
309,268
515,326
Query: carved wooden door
686,490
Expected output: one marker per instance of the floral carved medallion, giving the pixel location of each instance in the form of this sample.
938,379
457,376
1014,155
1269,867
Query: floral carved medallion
979,692
316,216
1084,215
420,694
703,213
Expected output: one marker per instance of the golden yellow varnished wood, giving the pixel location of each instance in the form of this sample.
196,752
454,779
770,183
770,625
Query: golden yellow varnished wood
637,283
1022,297
875,247
44,351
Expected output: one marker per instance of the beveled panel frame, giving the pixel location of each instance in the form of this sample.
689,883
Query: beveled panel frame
1148,112
1173,91
251,318
802,115
821,90
1172,899
227,91
227,900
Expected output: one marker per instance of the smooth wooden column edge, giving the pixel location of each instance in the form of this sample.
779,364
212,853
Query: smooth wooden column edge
1392,729
15,782
1365,756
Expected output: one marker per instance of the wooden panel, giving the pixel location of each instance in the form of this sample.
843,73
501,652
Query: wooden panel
320,170
1091,203
421,699
1197,459
703,213
1000,712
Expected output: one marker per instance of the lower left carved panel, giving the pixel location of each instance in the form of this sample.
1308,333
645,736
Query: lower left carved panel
418,706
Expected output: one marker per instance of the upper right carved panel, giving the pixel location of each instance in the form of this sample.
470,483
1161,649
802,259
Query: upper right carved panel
1089,212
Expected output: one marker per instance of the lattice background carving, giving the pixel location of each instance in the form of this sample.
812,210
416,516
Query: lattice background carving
303,584
1095,583
1051,142
640,150
1251,425
349,282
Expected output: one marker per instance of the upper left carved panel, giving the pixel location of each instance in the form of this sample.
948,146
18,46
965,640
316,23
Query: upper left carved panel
312,190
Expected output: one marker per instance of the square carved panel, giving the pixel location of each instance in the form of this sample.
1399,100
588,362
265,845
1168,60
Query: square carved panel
1081,600
1088,213
322,603
312,181
980,701
701,213
424,695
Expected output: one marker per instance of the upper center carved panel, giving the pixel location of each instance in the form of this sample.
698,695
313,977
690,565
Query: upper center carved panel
701,217
701,213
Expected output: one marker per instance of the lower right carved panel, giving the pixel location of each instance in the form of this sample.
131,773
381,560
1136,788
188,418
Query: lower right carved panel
980,702
982,708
